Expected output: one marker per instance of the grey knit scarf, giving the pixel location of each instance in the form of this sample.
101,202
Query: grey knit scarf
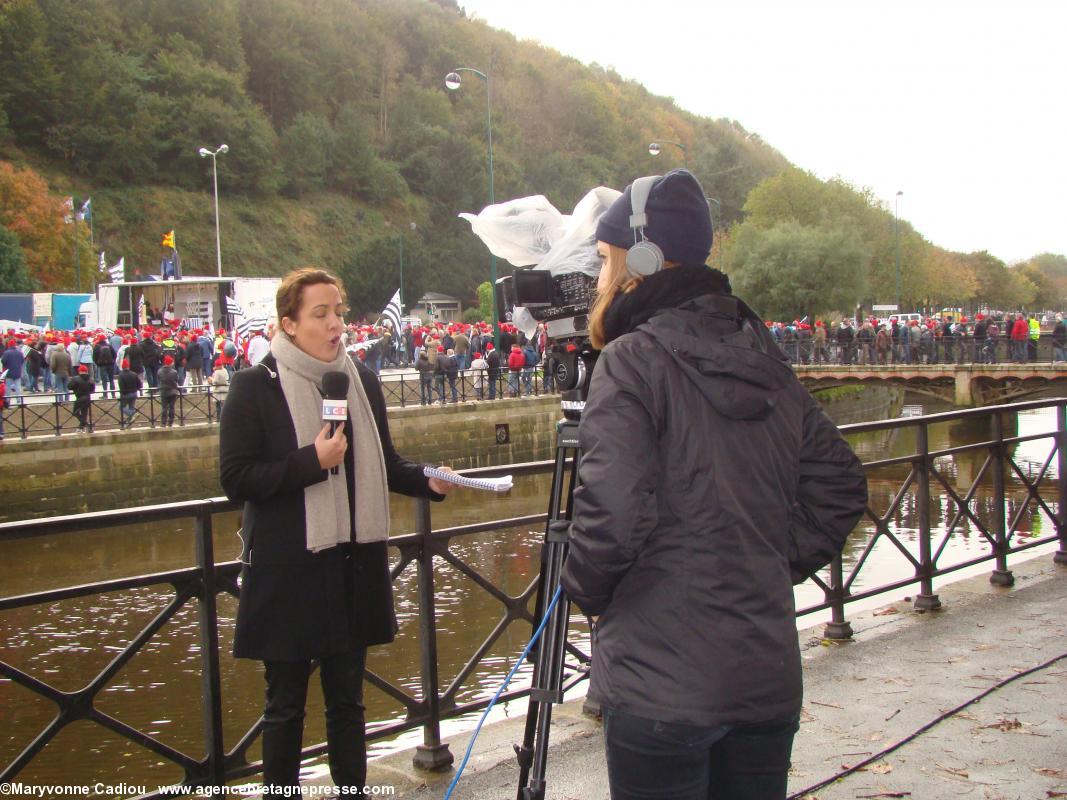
326,503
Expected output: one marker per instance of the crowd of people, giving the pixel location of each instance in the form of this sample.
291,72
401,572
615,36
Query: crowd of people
168,359
922,340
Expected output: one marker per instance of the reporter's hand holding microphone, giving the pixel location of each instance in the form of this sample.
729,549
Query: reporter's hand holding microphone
330,446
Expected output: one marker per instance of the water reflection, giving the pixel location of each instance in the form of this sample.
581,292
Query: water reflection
68,643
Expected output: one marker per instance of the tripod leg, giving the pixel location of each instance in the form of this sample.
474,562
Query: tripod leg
548,668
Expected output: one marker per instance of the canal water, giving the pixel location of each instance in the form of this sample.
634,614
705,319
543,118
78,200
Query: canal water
66,644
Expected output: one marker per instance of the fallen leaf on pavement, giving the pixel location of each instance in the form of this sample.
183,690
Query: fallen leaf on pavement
1048,772
881,768
1005,725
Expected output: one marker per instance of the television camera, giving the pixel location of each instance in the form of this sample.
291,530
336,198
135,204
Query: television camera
562,303
556,275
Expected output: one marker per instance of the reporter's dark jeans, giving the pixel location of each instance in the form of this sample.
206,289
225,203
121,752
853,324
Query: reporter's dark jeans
283,719
649,759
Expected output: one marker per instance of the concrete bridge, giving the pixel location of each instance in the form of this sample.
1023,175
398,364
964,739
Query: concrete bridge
964,385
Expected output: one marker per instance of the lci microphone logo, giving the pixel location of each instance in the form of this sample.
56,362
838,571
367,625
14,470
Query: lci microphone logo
334,410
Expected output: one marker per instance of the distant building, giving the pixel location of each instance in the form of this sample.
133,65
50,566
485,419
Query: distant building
438,308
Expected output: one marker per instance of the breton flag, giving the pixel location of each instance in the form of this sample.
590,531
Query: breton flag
392,312
101,263
233,307
141,309
245,328
118,272
168,240
87,209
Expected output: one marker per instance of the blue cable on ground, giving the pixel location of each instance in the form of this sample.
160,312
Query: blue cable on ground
500,691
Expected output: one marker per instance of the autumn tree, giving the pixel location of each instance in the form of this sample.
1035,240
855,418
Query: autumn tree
37,218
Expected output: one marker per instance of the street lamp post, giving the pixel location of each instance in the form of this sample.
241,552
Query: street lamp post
655,148
452,83
413,226
204,153
896,235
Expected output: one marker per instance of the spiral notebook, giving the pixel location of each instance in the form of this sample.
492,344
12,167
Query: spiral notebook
501,484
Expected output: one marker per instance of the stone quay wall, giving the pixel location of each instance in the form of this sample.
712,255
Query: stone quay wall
70,474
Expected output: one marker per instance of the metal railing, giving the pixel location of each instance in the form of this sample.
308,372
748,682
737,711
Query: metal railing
946,350
52,413
425,549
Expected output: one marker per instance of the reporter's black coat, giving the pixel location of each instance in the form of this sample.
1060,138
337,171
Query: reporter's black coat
296,604
711,481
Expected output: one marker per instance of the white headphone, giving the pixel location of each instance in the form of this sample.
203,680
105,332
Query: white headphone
644,258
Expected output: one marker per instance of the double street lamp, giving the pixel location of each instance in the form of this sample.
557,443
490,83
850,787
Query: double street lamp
655,148
452,83
204,153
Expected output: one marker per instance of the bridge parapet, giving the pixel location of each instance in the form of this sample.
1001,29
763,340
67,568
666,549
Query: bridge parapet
964,385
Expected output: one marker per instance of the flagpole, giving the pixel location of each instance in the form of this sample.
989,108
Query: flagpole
74,219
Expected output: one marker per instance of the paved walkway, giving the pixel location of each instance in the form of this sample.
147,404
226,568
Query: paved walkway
890,686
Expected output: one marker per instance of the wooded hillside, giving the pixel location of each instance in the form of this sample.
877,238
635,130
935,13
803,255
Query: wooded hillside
340,130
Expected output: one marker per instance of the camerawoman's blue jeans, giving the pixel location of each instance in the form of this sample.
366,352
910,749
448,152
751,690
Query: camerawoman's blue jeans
650,759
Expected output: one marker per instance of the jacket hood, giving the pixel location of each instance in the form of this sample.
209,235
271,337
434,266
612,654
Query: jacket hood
723,348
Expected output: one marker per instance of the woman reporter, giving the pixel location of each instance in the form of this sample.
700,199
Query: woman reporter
710,482
315,581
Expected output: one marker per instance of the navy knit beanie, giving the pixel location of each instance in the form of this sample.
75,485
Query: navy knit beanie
679,220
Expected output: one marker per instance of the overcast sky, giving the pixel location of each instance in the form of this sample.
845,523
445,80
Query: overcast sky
962,106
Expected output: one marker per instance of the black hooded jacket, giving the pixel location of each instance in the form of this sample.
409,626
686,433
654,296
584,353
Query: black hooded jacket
711,482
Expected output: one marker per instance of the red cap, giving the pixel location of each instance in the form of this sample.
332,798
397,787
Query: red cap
84,370
168,360
440,348
125,363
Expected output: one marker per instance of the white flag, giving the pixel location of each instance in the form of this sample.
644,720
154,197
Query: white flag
392,312
118,272
102,264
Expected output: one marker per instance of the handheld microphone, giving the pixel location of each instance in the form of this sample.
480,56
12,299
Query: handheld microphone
334,401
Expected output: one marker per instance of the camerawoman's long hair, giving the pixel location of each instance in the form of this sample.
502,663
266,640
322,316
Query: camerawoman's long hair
615,279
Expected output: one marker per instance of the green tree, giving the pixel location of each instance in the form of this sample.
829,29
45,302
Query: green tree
29,77
307,152
793,269
485,301
14,276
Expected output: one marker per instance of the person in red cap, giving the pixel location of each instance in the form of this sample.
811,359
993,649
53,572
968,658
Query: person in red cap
129,386
516,361
492,360
82,386
440,372
168,391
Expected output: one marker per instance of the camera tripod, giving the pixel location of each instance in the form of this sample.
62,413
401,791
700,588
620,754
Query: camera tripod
547,686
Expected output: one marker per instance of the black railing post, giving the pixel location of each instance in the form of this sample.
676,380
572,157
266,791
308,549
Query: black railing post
22,415
1061,482
1001,575
59,425
181,407
838,627
211,673
925,600
403,391
151,408
431,754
